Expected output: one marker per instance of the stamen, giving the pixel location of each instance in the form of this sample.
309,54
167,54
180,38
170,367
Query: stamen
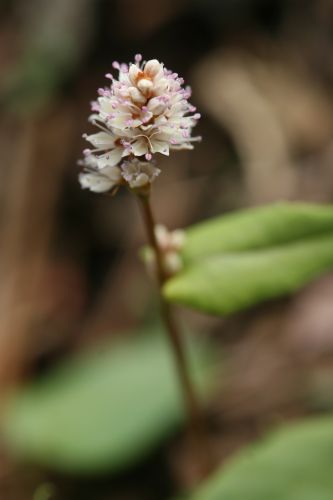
104,129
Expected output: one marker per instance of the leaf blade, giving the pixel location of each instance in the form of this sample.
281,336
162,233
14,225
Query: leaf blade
100,411
257,228
293,463
228,283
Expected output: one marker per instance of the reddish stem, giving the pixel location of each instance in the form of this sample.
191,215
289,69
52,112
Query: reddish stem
190,398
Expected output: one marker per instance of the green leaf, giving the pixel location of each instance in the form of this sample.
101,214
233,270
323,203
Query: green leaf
238,260
227,283
101,410
257,228
294,463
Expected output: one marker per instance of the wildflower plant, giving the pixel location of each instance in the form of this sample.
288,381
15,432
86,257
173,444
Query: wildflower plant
142,114
220,266
145,113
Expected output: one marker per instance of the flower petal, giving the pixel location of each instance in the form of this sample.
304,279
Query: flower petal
101,140
140,147
109,159
160,147
99,182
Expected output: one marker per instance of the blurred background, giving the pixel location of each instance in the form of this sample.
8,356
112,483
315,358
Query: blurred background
261,73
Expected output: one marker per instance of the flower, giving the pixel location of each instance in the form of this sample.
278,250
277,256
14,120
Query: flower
143,112
99,181
139,173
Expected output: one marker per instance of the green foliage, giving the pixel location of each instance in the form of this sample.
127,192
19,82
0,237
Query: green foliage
225,284
101,410
237,261
294,463
257,228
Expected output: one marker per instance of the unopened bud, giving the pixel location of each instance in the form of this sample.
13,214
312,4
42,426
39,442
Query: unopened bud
156,106
133,73
152,67
145,85
136,95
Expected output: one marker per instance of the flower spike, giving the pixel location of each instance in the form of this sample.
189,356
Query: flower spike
142,113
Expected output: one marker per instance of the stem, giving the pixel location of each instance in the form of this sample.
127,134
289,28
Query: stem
189,394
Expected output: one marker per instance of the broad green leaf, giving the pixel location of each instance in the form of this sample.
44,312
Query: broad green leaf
100,410
227,283
294,463
256,228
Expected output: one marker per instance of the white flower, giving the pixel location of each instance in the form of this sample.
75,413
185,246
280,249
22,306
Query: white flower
99,181
143,112
108,146
139,173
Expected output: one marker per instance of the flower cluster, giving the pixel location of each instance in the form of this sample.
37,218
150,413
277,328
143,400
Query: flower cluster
143,112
